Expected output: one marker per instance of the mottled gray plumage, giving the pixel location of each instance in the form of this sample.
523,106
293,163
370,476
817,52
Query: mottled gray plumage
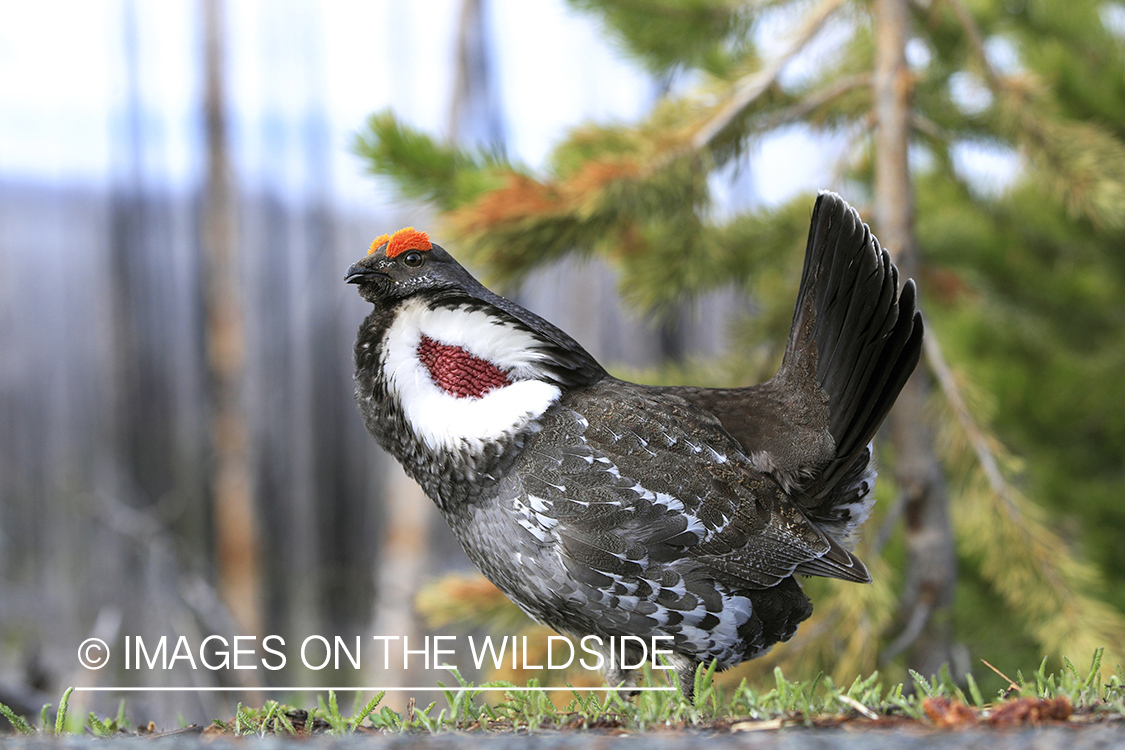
609,508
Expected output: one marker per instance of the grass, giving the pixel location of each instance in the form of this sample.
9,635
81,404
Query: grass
1068,695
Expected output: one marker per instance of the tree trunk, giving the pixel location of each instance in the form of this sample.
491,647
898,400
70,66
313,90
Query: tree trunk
235,520
474,111
931,572
403,561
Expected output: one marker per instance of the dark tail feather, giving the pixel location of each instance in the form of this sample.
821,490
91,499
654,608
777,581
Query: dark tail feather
853,332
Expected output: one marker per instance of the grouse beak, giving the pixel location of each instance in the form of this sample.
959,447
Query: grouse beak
357,273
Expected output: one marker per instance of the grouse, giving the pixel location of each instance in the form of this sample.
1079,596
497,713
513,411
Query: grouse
607,508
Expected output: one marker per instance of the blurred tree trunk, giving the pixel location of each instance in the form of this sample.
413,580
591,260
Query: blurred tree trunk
927,599
235,520
403,560
474,110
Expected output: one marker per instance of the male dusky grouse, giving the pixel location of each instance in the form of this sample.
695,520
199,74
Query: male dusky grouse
607,508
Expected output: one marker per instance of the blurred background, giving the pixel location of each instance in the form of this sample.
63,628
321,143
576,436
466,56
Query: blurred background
183,183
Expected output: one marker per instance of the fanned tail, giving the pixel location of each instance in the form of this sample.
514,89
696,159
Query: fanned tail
857,338
855,341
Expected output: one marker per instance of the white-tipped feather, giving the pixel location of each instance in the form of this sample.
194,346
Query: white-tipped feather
853,515
444,421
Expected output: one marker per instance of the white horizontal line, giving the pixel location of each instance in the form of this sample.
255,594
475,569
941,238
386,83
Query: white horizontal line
317,689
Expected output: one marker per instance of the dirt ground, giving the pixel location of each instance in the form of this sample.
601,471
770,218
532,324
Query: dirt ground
1105,736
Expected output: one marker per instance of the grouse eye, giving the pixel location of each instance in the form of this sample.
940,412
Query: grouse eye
413,259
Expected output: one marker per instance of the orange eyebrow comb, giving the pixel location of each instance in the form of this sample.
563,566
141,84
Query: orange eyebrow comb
408,239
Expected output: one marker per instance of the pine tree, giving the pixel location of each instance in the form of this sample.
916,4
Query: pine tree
1017,326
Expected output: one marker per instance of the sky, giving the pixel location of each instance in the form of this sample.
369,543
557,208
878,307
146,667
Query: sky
301,72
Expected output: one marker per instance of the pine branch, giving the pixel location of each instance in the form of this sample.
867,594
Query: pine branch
750,88
929,128
1021,557
1080,162
754,250
669,34
808,104
599,207
976,43
976,436
424,169
1083,163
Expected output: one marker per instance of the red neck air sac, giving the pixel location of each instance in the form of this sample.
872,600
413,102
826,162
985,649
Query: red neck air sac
459,373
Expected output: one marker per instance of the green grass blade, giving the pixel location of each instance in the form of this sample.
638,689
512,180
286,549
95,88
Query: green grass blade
974,691
366,711
60,717
18,723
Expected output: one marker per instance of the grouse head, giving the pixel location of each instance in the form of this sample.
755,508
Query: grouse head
450,376
407,264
